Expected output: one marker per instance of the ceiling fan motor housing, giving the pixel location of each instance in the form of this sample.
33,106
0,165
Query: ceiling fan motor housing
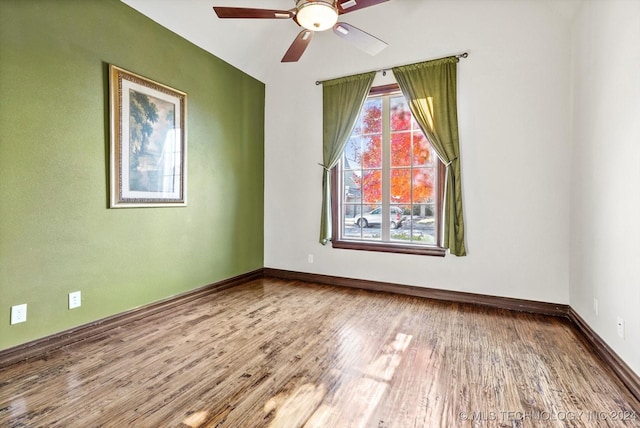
313,16
316,15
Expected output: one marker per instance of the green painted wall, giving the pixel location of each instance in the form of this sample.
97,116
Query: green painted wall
57,233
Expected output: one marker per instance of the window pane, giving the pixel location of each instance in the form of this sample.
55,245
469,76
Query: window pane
414,124
423,222
409,236
369,222
353,153
372,155
351,211
372,186
400,114
372,116
423,185
357,128
401,186
400,149
350,230
351,182
422,154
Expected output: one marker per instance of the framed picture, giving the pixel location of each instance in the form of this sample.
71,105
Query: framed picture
148,153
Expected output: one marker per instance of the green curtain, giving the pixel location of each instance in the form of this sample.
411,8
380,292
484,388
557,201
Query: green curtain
430,90
342,101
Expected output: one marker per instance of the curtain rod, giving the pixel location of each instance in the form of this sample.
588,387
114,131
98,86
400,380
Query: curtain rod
384,70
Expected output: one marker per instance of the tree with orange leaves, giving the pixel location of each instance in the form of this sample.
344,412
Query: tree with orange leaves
412,172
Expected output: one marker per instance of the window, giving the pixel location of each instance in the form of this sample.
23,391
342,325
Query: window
388,185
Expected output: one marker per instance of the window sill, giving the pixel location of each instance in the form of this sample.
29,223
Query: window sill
388,247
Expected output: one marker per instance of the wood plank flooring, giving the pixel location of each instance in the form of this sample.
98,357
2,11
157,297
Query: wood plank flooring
274,353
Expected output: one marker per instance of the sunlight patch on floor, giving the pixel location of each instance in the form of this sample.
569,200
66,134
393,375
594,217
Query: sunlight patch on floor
196,419
296,409
351,404
354,402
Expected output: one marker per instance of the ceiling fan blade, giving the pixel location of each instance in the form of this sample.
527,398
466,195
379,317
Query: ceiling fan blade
345,6
244,12
361,39
298,46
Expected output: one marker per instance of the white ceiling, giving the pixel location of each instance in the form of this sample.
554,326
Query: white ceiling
256,46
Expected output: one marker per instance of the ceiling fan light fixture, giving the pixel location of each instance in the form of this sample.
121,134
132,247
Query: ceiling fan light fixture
316,15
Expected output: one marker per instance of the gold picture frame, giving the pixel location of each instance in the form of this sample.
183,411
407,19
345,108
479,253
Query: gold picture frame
148,153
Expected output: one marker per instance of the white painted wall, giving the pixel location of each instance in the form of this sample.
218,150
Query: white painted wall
514,112
605,215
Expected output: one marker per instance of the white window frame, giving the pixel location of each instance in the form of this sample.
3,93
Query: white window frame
385,244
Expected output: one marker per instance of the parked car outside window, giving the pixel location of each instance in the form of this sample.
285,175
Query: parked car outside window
374,217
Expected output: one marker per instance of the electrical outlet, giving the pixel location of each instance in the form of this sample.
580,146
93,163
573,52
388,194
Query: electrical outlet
620,326
310,258
595,306
18,313
75,300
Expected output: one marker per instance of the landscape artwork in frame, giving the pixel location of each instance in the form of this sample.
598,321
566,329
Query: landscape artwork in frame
148,153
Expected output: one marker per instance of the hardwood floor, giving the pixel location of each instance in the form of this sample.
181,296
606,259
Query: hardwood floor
275,353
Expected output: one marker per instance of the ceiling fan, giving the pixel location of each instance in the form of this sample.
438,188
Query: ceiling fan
312,16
